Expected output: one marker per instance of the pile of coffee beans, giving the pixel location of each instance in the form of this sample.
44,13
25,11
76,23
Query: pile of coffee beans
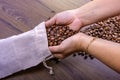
56,34
108,29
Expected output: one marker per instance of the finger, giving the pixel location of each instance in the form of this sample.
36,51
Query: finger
59,56
55,49
50,22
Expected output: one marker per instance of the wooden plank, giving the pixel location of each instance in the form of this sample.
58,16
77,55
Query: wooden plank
17,16
61,5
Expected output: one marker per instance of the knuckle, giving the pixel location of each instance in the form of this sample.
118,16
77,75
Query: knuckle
61,56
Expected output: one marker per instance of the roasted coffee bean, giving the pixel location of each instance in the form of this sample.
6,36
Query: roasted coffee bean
74,55
85,57
56,34
108,29
91,57
56,60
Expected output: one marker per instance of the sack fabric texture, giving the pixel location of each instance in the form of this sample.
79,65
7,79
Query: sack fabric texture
23,51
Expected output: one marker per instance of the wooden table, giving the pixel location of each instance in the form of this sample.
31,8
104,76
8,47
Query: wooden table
17,16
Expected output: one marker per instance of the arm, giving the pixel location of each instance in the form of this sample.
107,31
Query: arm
106,51
98,10
87,14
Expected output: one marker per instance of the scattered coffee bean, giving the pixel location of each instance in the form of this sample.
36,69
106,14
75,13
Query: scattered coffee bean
85,57
74,55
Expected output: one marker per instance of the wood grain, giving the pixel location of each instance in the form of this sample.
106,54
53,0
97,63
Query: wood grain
17,16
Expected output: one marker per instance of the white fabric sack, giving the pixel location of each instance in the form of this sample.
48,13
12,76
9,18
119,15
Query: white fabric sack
23,51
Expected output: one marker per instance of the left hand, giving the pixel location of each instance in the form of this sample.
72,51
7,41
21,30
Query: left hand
68,46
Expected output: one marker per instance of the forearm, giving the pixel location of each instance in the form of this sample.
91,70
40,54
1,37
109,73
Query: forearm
106,51
98,10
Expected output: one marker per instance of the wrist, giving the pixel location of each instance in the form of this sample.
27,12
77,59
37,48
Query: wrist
84,16
84,41
88,13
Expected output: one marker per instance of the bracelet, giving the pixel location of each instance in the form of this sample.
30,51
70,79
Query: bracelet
94,38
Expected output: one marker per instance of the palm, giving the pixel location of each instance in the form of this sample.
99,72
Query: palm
67,47
66,18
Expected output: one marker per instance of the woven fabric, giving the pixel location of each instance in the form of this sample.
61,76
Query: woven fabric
23,51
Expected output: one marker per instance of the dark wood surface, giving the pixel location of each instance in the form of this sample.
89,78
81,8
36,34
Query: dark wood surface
17,16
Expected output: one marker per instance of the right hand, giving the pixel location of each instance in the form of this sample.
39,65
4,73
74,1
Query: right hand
75,43
66,18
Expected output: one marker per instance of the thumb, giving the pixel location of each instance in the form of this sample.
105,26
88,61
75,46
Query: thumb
55,49
50,22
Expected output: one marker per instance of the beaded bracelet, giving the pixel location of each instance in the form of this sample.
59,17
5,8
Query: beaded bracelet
94,38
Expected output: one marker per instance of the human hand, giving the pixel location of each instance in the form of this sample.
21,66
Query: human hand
70,45
66,18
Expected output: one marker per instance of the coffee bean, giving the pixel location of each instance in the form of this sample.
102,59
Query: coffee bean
56,34
107,29
74,55
85,57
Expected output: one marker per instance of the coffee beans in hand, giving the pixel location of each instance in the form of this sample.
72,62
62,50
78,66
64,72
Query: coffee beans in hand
108,29
56,34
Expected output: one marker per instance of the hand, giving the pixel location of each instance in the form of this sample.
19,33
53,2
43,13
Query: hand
69,46
68,18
